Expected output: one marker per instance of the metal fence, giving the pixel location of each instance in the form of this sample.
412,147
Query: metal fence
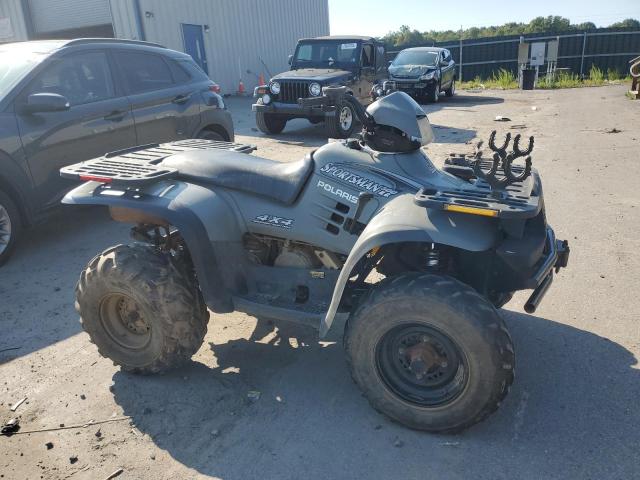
608,49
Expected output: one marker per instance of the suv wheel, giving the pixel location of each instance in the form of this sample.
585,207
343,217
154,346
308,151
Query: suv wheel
269,123
211,135
450,92
343,123
10,226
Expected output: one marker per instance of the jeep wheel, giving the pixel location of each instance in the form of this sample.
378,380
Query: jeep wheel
140,310
270,123
341,125
433,93
10,226
429,352
450,92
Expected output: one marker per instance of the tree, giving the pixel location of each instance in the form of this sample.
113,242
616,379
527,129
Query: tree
626,23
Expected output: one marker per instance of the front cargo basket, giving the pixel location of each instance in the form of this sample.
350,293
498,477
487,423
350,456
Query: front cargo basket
518,200
138,166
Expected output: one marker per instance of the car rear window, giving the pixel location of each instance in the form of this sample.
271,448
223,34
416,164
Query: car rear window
144,72
193,69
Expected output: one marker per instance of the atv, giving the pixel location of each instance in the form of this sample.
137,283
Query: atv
364,239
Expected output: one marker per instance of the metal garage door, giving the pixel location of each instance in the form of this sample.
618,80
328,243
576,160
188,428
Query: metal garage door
51,16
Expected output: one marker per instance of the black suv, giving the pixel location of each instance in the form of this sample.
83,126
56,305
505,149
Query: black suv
62,102
423,72
355,62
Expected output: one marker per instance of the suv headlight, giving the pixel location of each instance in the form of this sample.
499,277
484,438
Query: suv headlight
428,75
275,88
315,89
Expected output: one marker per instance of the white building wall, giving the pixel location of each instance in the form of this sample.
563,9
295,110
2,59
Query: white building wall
50,16
241,32
12,24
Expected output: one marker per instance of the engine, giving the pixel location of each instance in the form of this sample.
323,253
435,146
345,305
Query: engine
272,251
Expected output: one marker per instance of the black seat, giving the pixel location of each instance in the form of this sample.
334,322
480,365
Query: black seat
281,181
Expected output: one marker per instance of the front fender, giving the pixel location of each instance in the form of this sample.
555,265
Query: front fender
401,220
190,208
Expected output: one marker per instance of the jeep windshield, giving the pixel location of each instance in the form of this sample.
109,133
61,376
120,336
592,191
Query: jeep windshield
327,54
415,57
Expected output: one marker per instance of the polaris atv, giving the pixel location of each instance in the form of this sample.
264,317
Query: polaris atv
365,239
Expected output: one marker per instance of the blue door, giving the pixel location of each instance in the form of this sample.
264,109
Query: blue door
194,44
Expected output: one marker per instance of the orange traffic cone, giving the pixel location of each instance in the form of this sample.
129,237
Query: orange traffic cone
241,88
261,79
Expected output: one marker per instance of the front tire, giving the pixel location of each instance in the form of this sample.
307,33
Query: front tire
269,123
10,227
433,93
429,352
140,310
343,123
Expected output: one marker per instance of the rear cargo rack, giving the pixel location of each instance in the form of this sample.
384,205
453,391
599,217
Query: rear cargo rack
518,200
138,166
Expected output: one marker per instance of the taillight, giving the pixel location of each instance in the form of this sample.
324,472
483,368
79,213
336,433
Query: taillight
215,88
94,178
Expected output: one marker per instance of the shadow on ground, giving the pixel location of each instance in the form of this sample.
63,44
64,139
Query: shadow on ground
552,424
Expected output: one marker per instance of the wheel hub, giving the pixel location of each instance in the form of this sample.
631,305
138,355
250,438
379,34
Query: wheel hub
5,229
124,321
346,118
421,365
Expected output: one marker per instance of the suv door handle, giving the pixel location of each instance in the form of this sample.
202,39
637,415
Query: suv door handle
181,98
116,115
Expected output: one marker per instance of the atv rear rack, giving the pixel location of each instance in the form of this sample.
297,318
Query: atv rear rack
517,200
138,166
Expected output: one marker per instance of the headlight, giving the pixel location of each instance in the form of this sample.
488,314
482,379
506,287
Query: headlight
266,99
428,75
315,89
275,88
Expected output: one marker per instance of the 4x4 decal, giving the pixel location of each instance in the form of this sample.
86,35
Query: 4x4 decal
273,221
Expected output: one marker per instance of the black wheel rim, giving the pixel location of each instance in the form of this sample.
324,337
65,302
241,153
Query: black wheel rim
421,365
124,322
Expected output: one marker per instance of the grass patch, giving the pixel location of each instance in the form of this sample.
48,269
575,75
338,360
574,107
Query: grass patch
506,80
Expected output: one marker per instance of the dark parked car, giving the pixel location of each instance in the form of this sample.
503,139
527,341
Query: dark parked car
423,72
356,62
62,102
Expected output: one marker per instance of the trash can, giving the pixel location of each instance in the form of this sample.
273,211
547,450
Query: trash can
528,78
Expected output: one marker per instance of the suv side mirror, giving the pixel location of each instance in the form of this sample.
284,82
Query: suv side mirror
444,63
46,102
290,61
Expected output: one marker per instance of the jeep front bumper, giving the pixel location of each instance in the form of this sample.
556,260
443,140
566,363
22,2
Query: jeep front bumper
294,109
556,256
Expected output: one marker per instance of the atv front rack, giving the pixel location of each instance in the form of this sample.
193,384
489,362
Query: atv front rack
139,166
520,199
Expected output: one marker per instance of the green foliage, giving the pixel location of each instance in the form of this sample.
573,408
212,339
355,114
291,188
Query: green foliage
552,24
504,79
613,74
596,75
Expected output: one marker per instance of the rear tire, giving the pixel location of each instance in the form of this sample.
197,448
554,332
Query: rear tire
342,124
450,92
429,352
10,227
140,310
269,123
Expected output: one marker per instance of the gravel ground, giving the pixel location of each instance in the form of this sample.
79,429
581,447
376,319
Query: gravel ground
572,412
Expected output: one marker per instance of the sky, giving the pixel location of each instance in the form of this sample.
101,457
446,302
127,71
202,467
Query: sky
378,17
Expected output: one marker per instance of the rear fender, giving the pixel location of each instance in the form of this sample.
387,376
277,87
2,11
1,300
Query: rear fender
401,220
194,210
